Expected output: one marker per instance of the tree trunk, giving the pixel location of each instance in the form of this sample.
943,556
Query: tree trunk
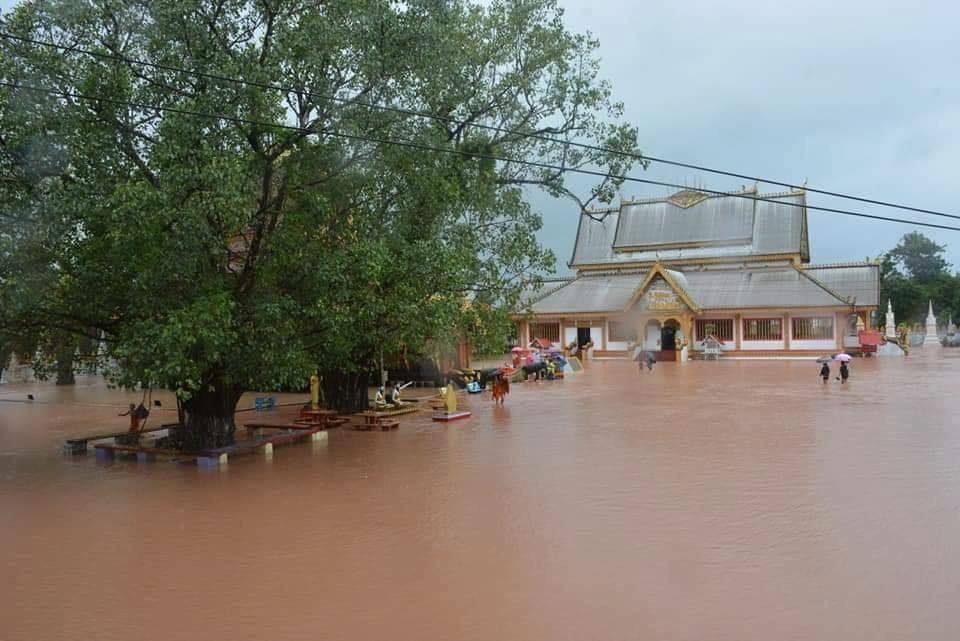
65,368
346,392
208,418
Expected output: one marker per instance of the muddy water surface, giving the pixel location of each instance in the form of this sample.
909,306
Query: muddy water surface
723,501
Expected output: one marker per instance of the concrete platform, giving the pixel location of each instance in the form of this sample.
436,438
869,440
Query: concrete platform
451,417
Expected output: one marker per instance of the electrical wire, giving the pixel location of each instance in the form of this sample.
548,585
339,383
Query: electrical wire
502,130
469,154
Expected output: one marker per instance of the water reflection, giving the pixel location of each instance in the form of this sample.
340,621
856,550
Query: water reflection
714,500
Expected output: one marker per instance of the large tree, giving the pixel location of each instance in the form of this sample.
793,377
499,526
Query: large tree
914,273
225,236
921,258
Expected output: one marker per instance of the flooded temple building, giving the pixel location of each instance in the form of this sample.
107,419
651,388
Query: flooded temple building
666,273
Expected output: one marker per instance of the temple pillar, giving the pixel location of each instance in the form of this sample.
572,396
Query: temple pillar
787,330
688,329
737,331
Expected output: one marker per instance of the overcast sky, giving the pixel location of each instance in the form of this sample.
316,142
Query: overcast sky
852,96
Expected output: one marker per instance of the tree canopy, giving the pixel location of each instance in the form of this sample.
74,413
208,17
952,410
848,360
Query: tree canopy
914,273
234,214
921,258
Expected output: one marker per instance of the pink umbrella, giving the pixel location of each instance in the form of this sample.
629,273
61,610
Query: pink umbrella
843,358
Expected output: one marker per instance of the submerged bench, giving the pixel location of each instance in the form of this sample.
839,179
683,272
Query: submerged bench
106,451
220,455
280,426
396,411
375,419
78,445
216,456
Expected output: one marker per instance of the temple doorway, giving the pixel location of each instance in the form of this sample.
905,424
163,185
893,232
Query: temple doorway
583,336
668,336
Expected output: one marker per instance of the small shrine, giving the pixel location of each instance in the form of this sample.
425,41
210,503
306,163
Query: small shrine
448,395
890,332
931,335
711,347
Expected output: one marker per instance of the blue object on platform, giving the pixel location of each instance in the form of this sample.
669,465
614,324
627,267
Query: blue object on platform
265,403
474,387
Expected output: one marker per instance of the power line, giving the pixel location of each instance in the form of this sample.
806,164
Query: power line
423,147
451,120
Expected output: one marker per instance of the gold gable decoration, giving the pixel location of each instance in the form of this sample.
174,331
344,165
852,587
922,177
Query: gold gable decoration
660,293
687,198
662,300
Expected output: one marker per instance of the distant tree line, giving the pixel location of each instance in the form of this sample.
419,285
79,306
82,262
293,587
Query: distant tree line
915,272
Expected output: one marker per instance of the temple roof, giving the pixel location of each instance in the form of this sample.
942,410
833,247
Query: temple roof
692,225
740,288
856,280
588,294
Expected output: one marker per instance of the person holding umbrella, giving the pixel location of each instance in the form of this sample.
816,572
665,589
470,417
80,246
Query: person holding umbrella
844,370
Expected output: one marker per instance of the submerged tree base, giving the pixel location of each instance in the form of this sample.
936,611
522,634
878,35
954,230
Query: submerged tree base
208,420
346,392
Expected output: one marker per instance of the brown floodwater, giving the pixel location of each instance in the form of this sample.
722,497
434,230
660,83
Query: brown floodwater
723,501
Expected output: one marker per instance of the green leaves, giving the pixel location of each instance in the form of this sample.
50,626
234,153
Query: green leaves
925,279
171,213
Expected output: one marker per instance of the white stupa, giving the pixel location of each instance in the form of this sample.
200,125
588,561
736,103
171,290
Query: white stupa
931,336
891,325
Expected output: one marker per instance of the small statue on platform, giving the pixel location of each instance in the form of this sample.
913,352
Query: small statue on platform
380,401
315,392
904,338
395,394
449,395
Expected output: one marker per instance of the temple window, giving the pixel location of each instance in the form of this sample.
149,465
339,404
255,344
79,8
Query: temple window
805,329
762,329
721,328
619,332
549,331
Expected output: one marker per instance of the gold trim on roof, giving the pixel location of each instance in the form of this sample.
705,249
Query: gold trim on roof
687,198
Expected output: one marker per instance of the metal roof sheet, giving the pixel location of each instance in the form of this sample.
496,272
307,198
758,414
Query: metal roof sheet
609,293
719,289
533,293
744,289
719,223
779,226
594,242
859,281
715,220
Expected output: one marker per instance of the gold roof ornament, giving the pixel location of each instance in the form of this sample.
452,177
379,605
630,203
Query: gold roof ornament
687,198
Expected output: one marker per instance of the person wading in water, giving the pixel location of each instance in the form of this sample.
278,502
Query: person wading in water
844,372
134,417
825,373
